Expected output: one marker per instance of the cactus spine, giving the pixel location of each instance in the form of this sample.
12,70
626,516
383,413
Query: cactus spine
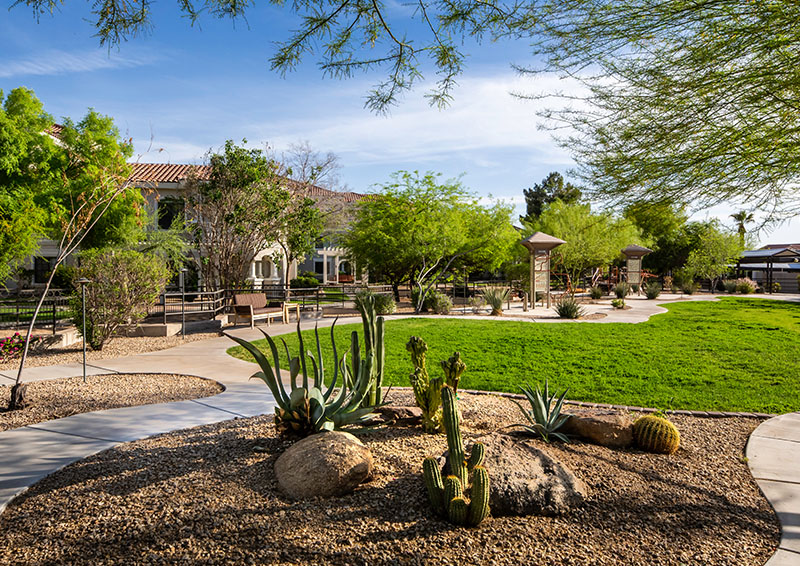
656,434
427,392
453,368
449,498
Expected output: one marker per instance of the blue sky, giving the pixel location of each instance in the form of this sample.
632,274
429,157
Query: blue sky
181,90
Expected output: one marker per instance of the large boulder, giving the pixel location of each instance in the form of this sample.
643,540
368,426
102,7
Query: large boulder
323,465
525,480
600,426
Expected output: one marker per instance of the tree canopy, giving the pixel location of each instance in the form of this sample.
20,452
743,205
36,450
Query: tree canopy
551,188
419,229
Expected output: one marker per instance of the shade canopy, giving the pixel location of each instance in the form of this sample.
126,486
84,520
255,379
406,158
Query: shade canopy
539,241
636,251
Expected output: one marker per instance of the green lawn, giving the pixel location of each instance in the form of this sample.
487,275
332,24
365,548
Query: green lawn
734,355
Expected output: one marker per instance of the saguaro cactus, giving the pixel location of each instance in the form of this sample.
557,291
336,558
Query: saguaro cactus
449,498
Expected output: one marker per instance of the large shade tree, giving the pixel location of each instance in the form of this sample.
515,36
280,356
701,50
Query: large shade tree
418,229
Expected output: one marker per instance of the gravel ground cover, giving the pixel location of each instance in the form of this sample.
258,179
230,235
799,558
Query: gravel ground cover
208,495
118,347
57,398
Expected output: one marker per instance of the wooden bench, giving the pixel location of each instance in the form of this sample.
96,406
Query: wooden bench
254,306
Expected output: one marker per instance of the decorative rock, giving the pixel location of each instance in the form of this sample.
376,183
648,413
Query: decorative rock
323,465
400,414
599,426
526,481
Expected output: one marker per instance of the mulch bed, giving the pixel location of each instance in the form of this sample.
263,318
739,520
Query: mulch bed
57,398
117,347
207,496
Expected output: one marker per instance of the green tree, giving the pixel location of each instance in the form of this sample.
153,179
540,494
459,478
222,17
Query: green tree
593,240
73,183
300,227
123,284
236,213
551,188
742,218
716,252
417,229
668,230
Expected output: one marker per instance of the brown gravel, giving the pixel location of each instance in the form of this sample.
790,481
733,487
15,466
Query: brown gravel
57,398
117,347
208,496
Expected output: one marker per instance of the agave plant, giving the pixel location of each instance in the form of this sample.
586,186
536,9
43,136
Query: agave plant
309,406
495,297
545,418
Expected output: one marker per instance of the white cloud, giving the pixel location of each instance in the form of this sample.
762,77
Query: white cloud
57,62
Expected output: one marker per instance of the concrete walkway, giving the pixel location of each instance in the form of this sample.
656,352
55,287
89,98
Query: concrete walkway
773,454
30,453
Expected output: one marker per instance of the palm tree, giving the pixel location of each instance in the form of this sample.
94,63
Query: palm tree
742,217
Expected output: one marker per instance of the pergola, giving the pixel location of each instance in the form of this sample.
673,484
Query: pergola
768,261
633,256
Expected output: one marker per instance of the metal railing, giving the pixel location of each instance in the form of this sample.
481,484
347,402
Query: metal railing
17,308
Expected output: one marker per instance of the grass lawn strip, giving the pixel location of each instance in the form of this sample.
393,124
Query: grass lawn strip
58,398
737,354
205,495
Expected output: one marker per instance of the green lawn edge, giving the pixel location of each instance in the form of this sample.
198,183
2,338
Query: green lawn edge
735,354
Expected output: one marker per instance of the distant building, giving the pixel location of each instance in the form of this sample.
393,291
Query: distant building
773,263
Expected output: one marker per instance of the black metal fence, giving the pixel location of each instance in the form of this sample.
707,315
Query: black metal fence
17,308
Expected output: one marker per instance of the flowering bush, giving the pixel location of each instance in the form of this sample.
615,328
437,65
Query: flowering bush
12,346
746,285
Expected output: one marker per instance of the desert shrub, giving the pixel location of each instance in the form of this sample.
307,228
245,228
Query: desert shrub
776,287
745,285
495,297
622,289
618,303
730,285
568,307
477,303
384,304
11,347
64,276
596,293
123,284
652,290
438,302
635,288
690,287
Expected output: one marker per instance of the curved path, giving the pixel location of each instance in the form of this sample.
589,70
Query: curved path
29,453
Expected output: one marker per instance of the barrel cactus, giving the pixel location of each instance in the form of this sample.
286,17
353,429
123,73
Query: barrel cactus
459,500
655,433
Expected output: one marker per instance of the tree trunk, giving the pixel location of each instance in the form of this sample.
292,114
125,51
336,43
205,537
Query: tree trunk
396,292
18,396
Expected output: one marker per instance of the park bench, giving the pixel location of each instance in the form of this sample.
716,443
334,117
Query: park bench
254,306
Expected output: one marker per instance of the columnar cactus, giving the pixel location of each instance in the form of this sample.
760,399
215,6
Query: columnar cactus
453,368
449,498
373,345
656,434
427,392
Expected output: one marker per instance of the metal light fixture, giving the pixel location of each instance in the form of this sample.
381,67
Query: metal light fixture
83,282
182,279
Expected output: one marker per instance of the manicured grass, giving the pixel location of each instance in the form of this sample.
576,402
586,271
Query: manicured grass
734,355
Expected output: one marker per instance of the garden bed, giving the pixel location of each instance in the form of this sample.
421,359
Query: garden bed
208,495
57,398
117,347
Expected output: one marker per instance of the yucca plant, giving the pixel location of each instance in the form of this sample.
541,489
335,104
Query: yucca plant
309,406
652,290
568,307
545,418
596,293
495,297
622,289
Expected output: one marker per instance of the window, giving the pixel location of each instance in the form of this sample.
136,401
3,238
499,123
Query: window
266,268
169,208
42,266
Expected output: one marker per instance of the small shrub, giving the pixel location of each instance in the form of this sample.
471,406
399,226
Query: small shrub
477,303
495,297
652,290
745,285
730,285
568,307
11,347
776,287
635,288
596,293
690,287
439,303
544,417
618,303
384,304
622,289
304,282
